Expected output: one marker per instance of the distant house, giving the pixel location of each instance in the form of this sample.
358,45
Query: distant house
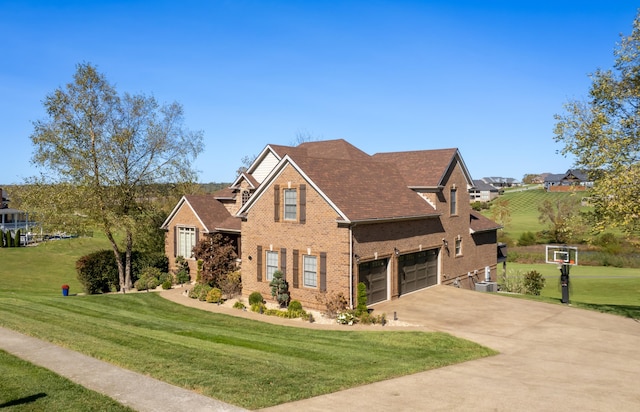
482,192
573,179
500,182
13,219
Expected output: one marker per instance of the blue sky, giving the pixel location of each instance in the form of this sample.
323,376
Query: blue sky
483,76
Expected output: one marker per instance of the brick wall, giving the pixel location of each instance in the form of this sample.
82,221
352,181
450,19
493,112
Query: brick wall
183,217
319,234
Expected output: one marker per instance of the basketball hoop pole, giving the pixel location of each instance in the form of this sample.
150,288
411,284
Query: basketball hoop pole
564,281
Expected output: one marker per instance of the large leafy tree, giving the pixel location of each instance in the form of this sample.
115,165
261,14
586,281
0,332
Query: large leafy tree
562,214
104,153
603,133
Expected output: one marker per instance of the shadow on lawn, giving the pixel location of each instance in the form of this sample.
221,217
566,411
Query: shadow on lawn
22,401
627,311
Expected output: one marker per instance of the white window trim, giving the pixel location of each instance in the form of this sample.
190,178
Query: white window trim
271,269
304,271
183,248
294,204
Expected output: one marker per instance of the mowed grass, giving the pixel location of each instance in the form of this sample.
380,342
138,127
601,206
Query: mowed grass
243,362
26,387
524,209
605,289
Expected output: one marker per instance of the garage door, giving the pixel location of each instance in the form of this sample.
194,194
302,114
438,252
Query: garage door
374,275
417,270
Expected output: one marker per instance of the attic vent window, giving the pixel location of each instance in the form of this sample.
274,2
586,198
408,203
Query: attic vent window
245,196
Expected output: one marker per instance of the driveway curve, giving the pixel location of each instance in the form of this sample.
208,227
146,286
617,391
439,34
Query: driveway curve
552,357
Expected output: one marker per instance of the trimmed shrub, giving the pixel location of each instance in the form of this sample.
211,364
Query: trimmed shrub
142,260
533,282
167,284
214,296
279,288
295,305
230,284
149,279
199,291
255,298
361,305
98,272
258,307
182,270
239,305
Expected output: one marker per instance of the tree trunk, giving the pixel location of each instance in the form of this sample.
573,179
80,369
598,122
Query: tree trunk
127,279
116,252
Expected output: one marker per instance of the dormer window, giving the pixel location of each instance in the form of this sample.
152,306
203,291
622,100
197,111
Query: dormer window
245,196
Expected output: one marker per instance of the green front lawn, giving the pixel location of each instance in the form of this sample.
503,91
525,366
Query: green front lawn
25,387
239,361
606,289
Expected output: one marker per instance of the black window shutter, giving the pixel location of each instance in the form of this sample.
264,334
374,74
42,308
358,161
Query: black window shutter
276,203
259,263
323,271
283,263
296,254
303,203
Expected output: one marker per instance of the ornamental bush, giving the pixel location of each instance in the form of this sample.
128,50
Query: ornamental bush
214,296
149,279
279,288
295,305
98,272
362,299
255,298
533,282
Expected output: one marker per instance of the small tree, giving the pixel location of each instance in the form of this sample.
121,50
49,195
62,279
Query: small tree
218,256
182,270
533,283
280,288
231,284
563,216
500,211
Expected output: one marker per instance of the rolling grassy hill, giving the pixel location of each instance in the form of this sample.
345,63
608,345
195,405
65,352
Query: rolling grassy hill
523,205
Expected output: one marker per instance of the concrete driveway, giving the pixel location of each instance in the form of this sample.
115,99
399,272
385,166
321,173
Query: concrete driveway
552,357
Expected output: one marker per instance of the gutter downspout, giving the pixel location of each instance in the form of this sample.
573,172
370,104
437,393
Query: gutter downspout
350,267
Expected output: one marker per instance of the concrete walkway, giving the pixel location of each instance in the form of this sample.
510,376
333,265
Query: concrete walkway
552,357
149,395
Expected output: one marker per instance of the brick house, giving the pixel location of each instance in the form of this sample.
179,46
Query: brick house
201,215
329,216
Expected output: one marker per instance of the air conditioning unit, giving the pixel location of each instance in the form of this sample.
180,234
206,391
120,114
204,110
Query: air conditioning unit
486,287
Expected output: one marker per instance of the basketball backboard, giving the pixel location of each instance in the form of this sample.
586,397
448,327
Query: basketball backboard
561,255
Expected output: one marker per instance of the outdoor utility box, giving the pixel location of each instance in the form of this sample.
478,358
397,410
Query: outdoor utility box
486,286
